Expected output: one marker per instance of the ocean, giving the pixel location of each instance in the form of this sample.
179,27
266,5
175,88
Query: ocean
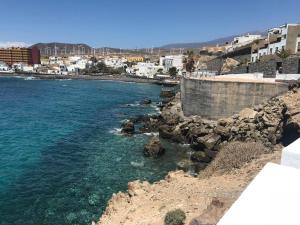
61,155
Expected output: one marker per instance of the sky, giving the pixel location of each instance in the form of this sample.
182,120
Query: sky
138,24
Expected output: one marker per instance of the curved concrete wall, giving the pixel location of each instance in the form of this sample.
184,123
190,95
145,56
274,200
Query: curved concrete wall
216,99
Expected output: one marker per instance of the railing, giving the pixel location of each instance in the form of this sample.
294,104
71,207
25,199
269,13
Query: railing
201,74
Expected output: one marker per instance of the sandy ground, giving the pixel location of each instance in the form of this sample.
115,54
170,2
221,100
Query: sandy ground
147,204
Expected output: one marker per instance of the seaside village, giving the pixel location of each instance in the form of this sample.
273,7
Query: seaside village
272,53
238,113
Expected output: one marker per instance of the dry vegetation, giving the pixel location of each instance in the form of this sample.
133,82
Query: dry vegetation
233,156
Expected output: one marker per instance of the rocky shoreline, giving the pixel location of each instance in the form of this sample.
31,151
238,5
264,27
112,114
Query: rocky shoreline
122,78
267,123
273,123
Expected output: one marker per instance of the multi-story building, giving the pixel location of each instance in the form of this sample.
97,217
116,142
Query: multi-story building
172,61
29,56
285,37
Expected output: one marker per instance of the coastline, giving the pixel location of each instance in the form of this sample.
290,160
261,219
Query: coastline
146,203
87,77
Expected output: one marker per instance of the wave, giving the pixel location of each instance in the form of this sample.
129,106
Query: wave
29,78
137,164
116,131
152,134
133,104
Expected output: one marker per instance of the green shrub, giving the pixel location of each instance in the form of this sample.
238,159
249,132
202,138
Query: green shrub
175,217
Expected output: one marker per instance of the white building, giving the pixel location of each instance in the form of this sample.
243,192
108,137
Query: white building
3,67
284,37
55,60
241,41
146,69
74,64
172,61
115,62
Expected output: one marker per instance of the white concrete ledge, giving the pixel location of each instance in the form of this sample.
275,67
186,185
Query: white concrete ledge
272,198
291,155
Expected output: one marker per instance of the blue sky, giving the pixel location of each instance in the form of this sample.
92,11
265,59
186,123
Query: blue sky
143,23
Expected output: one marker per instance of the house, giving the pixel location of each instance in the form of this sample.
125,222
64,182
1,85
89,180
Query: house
115,62
3,66
285,37
145,69
166,62
241,41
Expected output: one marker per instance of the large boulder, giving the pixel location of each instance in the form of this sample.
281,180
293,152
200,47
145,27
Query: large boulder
153,148
210,141
166,131
127,127
247,113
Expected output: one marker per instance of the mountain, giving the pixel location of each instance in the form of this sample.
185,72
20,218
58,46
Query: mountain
48,49
214,42
62,48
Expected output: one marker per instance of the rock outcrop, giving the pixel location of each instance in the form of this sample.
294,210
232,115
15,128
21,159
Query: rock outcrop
263,123
127,127
154,148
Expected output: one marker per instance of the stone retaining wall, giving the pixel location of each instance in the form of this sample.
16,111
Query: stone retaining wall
290,65
219,99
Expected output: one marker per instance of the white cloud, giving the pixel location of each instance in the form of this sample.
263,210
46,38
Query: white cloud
13,44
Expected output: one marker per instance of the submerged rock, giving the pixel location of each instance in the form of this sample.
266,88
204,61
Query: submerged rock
146,101
154,148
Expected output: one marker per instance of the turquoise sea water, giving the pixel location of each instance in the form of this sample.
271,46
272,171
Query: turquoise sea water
60,159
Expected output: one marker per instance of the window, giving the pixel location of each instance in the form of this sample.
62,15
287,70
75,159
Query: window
252,59
271,50
276,49
298,47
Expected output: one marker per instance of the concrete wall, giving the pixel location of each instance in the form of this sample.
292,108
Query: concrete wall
216,99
